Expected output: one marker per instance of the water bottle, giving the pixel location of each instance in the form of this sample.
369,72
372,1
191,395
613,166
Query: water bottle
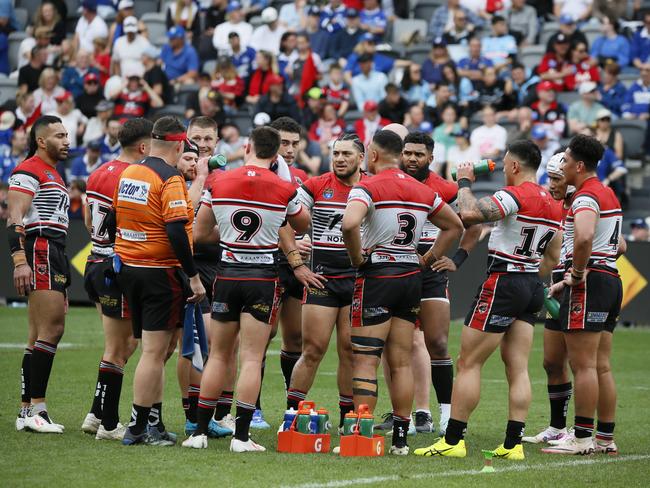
551,304
303,422
366,421
218,161
313,422
483,167
289,415
350,423
323,420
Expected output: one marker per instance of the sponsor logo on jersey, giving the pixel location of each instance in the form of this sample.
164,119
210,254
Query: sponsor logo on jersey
328,193
134,191
177,203
133,235
49,175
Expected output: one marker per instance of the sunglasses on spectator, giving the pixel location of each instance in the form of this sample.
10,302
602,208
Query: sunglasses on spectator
606,119
90,82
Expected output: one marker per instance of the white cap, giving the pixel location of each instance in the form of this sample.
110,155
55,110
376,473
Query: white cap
269,14
587,87
554,165
261,119
130,24
125,4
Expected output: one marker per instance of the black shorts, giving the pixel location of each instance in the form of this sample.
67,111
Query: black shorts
156,296
336,294
504,298
291,287
549,322
207,272
377,300
434,285
50,265
103,290
594,305
234,296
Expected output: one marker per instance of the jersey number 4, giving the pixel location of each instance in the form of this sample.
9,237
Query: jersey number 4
247,223
526,247
407,224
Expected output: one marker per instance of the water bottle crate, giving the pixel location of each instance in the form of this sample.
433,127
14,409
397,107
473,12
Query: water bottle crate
358,445
297,443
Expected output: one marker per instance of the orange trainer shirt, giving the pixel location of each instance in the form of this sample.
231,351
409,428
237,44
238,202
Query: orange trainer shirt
149,196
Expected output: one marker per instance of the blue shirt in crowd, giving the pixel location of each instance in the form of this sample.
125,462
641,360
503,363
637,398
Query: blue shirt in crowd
380,62
474,64
243,61
374,18
608,164
640,45
7,163
637,99
613,98
176,65
617,48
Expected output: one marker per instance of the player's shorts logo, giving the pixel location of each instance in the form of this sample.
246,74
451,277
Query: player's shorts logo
41,269
329,193
482,307
576,309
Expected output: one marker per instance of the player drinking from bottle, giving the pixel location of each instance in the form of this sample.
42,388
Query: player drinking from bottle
393,208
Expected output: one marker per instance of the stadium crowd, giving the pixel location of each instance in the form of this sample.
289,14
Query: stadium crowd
306,95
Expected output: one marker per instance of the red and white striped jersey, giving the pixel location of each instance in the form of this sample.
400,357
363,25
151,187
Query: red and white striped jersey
398,205
325,196
100,190
250,205
531,218
48,214
593,196
448,191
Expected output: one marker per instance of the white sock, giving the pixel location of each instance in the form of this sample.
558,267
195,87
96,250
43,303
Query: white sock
38,408
423,410
445,411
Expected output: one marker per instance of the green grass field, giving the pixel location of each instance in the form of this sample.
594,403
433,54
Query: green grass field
76,459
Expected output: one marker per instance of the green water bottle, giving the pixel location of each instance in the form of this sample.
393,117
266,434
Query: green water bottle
217,161
483,167
302,421
323,421
366,424
551,304
350,423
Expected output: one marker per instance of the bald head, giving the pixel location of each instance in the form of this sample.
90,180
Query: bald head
398,129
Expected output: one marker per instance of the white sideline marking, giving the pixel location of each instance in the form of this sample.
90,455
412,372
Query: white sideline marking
472,472
21,345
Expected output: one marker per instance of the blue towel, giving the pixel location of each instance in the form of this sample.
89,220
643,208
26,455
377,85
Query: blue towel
195,344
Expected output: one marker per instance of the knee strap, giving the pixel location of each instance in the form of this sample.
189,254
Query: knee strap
371,346
364,386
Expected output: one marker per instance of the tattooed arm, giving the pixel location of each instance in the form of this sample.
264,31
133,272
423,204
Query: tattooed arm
473,211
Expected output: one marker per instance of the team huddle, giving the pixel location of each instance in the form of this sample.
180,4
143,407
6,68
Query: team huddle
362,249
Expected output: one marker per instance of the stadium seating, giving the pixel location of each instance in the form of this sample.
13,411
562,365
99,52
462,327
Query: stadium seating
155,23
530,56
403,28
22,16
143,7
15,38
8,87
633,132
424,8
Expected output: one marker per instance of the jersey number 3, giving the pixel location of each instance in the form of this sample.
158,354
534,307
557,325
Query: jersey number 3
407,224
247,223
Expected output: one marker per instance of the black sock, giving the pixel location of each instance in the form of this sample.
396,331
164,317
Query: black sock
584,427
110,375
400,430
186,406
514,433
287,361
25,376
155,417
243,419
100,388
294,397
258,403
193,401
224,404
41,366
559,396
205,410
442,379
345,405
455,431
605,432
139,419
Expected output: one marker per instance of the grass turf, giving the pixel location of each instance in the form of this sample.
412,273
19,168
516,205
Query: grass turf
76,459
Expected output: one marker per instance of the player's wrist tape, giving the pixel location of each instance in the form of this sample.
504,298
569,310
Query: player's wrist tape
294,259
459,257
464,183
577,273
19,258
16,237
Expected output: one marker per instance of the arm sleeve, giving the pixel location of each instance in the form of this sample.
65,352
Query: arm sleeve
360,194
306,196
438,203
293,206
24,182
507,202
585,202
174,200
180,242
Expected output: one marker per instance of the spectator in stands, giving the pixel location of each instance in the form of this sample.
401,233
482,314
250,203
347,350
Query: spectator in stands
637,98
556,65
48,18
548,112
215,14
89,27
41,37
180,59
77,192
206,102
462,90
319,38
494,91
235,23
332,17
109,144
125,9
461,152
489,138
73,120
48,90
639,231
26,110
241,56
578,10
438,57
585,68
304,71
611,170
369,84
185,14
288,44
416,120
523,23
370,122
437,102
640,44
524,125
336,91
443,18
83,166
414,88
582,113
342,43
461,30
96,127
547,147
327,128
101,59
292,15
136,98
267,36
128,49
309,157
373,19
443,135
72,78
611,45
12,155
393,107
155,76
231,87
259,81
277,102
232,145
612,90
90,96
523,86
608,136
8,25
500,47
472,66
569,29
29,75
381,62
